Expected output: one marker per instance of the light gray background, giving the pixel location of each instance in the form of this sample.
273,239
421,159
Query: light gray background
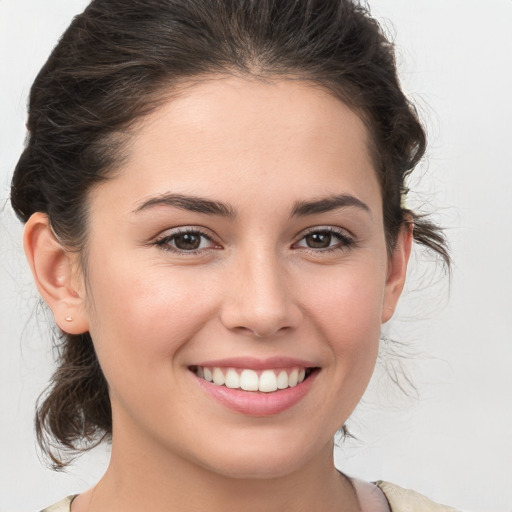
453,443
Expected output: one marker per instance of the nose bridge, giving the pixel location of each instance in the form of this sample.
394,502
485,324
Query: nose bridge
260,298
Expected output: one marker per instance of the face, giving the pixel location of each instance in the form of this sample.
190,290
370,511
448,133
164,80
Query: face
242,241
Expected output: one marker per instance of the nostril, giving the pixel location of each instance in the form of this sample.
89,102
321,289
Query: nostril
263,332
260,304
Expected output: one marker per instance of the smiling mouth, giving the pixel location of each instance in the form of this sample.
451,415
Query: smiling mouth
246,379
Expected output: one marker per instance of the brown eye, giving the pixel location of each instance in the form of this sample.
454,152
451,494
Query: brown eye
187,241
318,240
324,240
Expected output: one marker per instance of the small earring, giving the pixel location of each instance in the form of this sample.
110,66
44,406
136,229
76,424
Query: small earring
68,319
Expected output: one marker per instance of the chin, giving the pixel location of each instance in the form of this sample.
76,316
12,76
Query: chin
260,461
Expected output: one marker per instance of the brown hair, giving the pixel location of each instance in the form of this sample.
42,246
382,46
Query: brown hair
112,66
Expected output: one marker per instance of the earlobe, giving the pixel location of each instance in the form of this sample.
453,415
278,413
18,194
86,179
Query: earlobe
397,270
55,274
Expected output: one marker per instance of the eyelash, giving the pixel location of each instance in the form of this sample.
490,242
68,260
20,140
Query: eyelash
345,242
164,242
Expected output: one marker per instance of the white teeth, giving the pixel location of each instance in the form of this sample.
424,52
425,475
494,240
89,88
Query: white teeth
218,377
249,380
267,381
232,379
282,380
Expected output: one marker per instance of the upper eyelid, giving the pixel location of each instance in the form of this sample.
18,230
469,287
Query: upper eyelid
331,229
170,232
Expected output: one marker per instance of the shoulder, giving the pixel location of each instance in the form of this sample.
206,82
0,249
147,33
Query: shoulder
405,500
62,506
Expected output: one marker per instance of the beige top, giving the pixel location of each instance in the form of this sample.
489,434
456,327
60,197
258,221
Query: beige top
381,497
405,500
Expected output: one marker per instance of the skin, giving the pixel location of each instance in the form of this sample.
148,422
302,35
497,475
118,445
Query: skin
254,288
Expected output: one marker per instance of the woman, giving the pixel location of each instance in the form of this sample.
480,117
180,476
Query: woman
213,195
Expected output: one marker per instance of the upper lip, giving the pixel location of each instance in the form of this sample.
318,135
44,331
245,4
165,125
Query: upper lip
254,363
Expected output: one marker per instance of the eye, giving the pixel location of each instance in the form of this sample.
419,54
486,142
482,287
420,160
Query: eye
186,241
325,239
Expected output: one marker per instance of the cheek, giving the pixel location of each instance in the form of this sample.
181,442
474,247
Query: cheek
346,309
347,301
140,322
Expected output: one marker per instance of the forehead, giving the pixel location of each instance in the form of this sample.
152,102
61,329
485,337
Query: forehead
252,110
226,131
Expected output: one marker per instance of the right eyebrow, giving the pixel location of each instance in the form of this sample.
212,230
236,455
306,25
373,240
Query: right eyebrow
326,204
189,203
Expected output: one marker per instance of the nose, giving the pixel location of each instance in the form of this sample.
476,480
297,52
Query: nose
260,298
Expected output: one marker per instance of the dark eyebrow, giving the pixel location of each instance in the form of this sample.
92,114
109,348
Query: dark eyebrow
327,204
189,203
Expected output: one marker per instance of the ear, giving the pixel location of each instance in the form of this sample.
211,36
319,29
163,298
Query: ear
56,275
397,269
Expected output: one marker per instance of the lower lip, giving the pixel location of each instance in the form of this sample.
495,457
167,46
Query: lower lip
257,403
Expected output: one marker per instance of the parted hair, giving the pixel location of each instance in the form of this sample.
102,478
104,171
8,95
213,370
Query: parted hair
118,61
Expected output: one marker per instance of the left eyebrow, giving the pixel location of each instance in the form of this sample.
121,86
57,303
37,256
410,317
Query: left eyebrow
327,204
